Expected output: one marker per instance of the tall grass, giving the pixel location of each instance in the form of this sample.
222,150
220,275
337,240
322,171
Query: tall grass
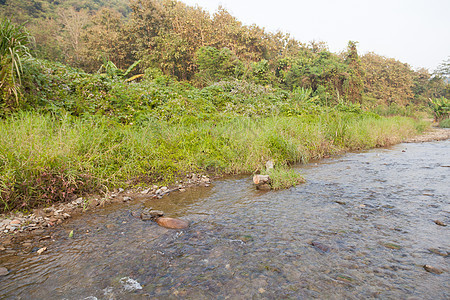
43,160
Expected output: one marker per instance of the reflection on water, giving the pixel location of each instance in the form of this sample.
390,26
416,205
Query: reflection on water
361,227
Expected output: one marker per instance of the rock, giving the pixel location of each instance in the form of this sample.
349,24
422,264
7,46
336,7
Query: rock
146,191
340,202
439,252
320,246
3,271
151,214
440,223
121,190
392,246
41,250
172,223
182,190
126,199
15,222
261,179
344,278
264,187
432,269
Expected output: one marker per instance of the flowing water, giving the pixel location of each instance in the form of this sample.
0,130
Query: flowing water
361,227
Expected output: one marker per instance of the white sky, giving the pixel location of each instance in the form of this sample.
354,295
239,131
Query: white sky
416,32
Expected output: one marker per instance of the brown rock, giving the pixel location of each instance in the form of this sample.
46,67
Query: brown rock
14,222
431,269
440,223
172,223
261,179
3,271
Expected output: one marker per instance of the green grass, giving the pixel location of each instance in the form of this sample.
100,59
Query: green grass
445,123
45,160
284,178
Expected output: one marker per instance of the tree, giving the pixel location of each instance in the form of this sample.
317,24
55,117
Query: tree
73,23
354,83
107,37
387,79
443,69
215,65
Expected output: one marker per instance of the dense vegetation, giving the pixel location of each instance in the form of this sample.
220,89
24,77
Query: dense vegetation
117,93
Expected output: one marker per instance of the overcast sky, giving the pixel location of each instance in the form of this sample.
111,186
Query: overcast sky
416,32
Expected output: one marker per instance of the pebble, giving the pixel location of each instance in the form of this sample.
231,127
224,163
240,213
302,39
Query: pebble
433,270
439,252
126,199
41,250
440,223
320,246
3,271
392,246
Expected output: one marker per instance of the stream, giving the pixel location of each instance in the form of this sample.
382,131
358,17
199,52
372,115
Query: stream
361,227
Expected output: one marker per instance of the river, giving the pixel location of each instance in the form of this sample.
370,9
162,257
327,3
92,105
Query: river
361,227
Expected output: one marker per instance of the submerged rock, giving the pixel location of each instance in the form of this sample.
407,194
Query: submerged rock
439,252
433,270
440,223
320,246
392,246
172,223
151,214
3,271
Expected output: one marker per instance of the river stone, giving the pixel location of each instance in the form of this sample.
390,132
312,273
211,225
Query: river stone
15,222
3,271
439,252
433,270
320,246
440,223
172,223
151,214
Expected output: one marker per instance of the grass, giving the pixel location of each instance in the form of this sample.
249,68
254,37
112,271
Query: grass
45,160
445,123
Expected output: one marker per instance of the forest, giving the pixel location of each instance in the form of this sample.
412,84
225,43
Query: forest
161,88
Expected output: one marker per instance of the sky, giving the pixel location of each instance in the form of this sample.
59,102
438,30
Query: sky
416,32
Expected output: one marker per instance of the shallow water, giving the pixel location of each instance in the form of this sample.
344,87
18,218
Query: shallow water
361,227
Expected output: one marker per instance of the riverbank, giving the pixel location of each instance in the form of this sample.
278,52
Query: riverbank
431,135
382,133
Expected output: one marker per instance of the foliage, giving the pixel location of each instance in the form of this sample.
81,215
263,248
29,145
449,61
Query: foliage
440,107
13,50
445,123
216,65
387,79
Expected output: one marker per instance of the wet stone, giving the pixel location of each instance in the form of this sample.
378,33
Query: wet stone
439,252
172,223
433,270
151,214
320,246
392,246
3,271
440,223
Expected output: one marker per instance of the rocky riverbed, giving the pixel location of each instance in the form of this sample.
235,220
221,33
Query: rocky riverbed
44,219
433,134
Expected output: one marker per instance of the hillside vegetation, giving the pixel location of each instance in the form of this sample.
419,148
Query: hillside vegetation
111,93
